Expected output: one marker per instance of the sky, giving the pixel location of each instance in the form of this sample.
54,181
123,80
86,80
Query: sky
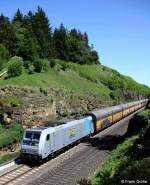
119,29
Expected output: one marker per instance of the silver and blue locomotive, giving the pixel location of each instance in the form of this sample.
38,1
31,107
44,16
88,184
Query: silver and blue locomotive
42,141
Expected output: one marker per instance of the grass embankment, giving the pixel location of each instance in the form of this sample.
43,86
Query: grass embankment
9,135
97,79
130,161
69,79
8,157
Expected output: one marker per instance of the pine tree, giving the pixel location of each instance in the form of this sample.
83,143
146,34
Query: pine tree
7,35
18,17
27,43
31,37
73,47
61,45
43,31
86,39
74,33
4,55
28,47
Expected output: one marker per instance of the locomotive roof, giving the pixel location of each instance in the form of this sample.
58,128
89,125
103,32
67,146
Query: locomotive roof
52,124
37,128
45,126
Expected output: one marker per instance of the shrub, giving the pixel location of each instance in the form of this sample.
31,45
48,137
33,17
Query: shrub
52,63
31,69
40,65
10,135
26,64
58,67
15,66
4,55
1,64
64,66
10,100
115,95
85,182
45,65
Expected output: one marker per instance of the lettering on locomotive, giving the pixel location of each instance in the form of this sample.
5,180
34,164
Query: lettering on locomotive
72,132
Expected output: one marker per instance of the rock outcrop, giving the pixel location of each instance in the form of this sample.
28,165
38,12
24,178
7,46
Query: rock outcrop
38,106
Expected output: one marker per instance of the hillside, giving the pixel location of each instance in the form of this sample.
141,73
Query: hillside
65,89
96,78
54,73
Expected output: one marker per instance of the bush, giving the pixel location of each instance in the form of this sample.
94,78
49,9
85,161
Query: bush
4,55
31,69
15,66
40,65
9,100
115,95
58,67
1,64
45,65
64,66
10,135
26,64
52,63
85,182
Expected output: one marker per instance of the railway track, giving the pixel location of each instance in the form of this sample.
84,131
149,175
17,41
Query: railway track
19,174
70,166
9,177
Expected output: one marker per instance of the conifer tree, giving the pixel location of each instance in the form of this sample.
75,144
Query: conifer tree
18,17
61,44
28,45
31,37
7,35
42,30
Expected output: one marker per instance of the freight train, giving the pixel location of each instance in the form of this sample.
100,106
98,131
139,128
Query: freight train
42,141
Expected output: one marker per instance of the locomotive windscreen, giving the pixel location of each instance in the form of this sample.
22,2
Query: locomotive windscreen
31,138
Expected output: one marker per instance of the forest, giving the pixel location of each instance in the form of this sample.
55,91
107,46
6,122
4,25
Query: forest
32,37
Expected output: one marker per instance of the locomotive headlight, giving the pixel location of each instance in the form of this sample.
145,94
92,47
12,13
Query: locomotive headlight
23,150
36,152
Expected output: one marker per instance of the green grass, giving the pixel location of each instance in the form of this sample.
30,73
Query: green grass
70,80
9,100
96,79
8,157
145,115
10,134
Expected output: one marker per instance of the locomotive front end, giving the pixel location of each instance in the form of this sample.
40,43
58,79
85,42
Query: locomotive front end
30,146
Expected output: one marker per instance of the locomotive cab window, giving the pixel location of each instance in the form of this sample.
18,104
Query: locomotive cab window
47,137
28,135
